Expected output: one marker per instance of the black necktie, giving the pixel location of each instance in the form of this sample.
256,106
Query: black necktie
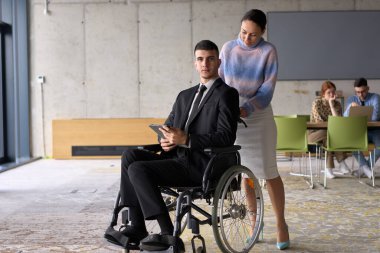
197,101
362,102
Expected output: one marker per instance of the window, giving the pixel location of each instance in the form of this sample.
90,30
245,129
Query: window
14,83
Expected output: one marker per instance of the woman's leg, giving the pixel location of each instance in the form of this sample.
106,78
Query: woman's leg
330,160
277,195
248,186
340,156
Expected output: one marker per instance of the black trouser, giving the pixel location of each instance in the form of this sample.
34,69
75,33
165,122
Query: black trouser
141,174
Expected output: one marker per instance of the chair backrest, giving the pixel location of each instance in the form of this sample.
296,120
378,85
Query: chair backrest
286,116
347,133
306,116
291,134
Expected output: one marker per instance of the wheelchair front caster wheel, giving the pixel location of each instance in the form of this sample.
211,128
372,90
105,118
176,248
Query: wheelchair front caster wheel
200,249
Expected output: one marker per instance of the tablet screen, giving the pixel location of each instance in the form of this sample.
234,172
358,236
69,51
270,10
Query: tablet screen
155,127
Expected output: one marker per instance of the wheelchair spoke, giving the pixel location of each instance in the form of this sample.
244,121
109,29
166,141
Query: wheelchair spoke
238,226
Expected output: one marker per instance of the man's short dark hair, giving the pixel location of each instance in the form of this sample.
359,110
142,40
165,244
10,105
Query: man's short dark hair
360,82
206,45
256,16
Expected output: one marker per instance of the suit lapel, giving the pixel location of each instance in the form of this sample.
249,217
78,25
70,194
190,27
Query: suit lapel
204,100
192,93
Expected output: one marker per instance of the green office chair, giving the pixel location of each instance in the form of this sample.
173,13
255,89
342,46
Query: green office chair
346,134
286,116
306,116
292,138
290,158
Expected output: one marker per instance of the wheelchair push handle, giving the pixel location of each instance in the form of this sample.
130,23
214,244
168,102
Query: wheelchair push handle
241,121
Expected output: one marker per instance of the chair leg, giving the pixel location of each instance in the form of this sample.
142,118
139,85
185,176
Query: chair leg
318,162
311,173
325,176
373,167
371,163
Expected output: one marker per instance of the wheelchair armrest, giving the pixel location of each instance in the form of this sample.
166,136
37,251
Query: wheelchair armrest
216,151
151,147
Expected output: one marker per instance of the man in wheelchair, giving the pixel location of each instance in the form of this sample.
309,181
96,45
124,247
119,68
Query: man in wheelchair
202,116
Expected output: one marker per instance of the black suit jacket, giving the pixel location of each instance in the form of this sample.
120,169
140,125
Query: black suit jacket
214,125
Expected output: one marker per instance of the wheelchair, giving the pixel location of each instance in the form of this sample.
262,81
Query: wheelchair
226,186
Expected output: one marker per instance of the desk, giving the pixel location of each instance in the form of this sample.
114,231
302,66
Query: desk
323,125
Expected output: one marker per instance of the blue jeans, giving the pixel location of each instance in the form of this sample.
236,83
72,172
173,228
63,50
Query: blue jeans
373,137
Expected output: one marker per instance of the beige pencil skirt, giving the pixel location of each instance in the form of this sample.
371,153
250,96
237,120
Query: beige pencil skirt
258,142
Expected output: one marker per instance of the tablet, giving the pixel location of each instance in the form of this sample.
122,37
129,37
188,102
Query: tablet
155,127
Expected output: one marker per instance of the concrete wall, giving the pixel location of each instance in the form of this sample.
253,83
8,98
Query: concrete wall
119,59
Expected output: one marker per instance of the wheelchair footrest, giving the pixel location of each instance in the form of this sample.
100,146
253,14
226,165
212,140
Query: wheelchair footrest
116,237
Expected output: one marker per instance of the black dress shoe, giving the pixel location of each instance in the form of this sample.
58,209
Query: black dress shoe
129,237
154,242
157,242
135,233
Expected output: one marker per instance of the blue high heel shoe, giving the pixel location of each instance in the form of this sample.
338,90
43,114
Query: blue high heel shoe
283,245
262,236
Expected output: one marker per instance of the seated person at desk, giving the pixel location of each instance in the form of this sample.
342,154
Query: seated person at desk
365,98
321,109
193,125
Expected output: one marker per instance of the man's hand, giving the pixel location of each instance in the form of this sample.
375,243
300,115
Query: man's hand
173,137
353,104
166,145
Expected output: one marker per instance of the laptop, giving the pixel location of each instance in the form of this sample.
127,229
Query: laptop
361,111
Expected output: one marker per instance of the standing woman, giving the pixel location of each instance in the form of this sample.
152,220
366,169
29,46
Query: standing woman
250,65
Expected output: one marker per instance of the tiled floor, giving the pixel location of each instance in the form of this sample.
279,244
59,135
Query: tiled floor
65,206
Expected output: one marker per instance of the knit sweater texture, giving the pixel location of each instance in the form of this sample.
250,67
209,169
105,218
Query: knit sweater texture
251,70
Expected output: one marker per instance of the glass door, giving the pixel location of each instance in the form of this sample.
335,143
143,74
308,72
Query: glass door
2,128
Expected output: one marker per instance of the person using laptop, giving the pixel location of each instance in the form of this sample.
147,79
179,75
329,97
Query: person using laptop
322,108
365,98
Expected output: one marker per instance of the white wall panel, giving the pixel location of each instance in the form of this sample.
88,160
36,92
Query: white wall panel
58,54
367,4
165,55
111,61
326,5
274,5
100,63
218,21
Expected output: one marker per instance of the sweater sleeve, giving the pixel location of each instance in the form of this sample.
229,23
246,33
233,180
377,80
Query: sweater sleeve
264,93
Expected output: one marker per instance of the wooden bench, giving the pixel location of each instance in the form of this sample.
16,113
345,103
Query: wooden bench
100,138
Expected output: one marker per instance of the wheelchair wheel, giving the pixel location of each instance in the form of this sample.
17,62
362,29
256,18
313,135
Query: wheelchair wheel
171,201
200,250
237,219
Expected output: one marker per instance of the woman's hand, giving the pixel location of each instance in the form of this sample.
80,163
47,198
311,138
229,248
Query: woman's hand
332,98
243,113
331,103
